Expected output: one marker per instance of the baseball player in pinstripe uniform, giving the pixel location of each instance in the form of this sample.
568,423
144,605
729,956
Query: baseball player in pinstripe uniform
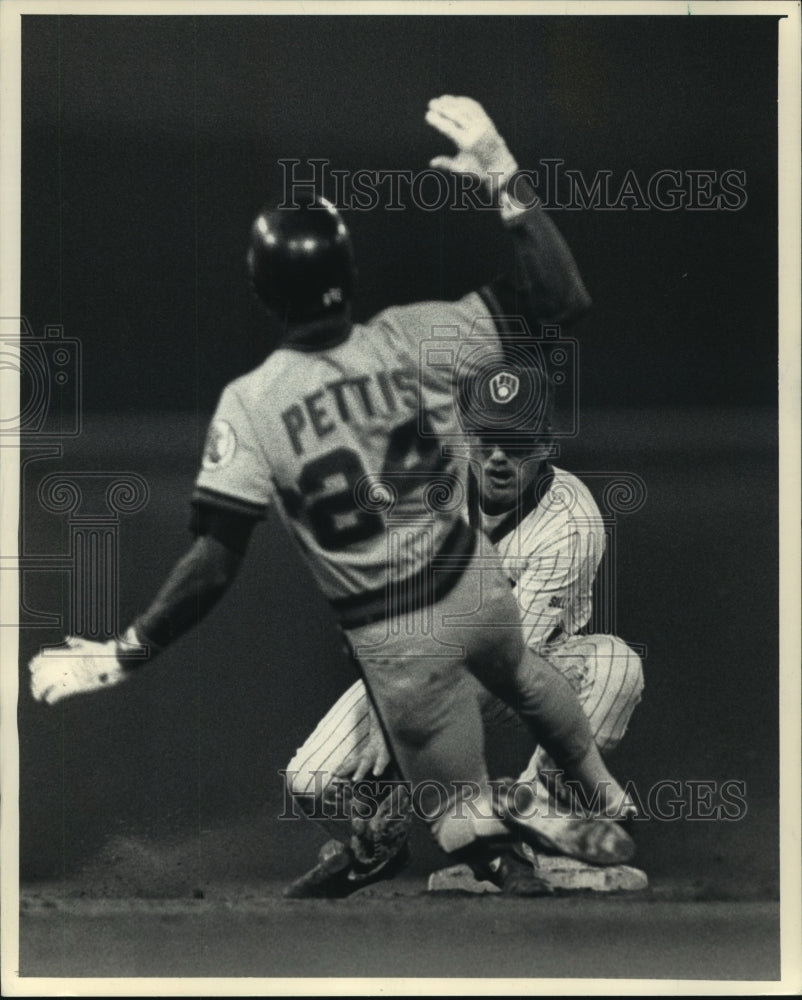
341,429
547,528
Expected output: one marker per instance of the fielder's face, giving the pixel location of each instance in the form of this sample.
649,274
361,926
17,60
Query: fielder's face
508,470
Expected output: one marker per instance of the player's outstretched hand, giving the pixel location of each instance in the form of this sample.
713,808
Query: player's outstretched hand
77,667
482,151
372,757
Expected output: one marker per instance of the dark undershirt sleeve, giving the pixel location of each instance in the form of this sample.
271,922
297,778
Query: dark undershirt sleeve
201,577
544,284
194,585
232,528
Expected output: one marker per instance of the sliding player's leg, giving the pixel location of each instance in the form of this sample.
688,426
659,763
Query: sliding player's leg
550,709
607,677
429,705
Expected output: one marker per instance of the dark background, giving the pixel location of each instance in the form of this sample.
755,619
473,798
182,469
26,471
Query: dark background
149,143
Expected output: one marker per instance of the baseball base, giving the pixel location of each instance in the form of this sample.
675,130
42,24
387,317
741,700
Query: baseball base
561,873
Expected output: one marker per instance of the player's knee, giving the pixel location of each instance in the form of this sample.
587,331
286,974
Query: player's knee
496,657
409,728
627,670
411,708
305,781
618,668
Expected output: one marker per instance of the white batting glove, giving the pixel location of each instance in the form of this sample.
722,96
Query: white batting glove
80,666
482,151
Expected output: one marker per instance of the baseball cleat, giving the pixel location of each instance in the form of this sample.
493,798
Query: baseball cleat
597,841
336,875
333,864
506,875
513,876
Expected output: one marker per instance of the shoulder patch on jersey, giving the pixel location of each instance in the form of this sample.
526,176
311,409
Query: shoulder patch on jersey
221,444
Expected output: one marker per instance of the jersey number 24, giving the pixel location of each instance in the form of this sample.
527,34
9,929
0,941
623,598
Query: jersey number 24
345,504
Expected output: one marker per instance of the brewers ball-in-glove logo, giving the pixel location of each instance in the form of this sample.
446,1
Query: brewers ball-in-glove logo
504,387
499,394
221,443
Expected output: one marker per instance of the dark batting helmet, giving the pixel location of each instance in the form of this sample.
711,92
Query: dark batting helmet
301,261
